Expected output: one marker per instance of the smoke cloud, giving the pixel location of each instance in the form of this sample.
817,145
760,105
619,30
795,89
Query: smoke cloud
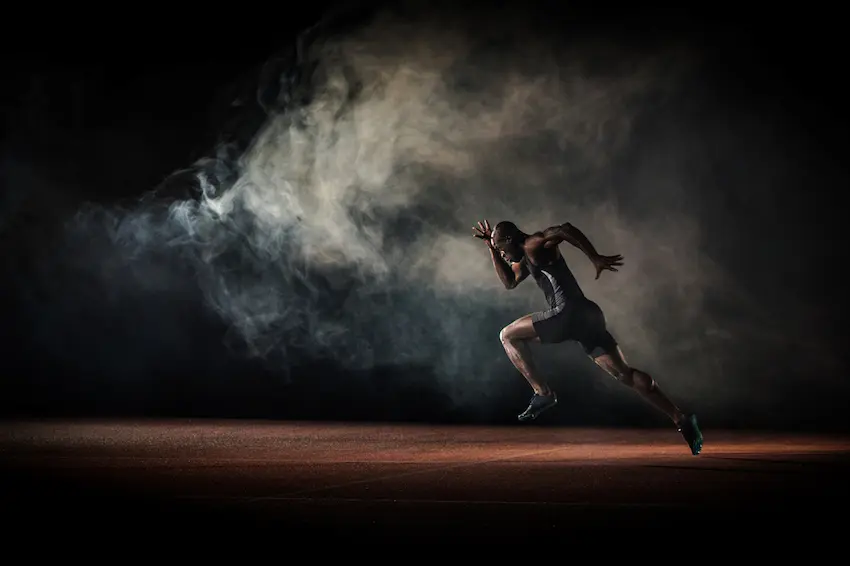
341,229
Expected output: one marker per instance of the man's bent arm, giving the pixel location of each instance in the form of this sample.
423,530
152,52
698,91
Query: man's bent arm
503,270
568,233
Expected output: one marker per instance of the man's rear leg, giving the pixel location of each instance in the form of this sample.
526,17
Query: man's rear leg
614,363
515,338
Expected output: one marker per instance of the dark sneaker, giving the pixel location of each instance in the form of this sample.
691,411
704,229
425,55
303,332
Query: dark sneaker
690,430
538,404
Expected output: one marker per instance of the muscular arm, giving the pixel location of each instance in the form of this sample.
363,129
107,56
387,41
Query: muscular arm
568,233
510,275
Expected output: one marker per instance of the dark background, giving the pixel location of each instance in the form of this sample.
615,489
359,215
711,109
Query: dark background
105,110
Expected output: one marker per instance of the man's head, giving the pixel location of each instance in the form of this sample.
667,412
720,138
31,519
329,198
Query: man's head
508,239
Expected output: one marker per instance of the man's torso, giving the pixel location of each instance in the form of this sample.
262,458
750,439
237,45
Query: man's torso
554,277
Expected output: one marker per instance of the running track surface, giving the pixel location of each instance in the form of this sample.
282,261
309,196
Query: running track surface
390,482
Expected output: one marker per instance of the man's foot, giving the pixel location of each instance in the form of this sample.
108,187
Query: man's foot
690,430
538,404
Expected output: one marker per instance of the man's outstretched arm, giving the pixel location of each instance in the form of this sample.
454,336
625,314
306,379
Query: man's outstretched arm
566,232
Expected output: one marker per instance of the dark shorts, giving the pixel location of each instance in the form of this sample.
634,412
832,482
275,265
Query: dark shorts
579,321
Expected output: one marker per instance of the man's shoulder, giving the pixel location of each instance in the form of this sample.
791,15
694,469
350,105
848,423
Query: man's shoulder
553,230
539,238
535,245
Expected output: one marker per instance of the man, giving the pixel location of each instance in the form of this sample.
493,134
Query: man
571,316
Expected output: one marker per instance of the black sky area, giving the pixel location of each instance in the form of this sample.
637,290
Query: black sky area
105,111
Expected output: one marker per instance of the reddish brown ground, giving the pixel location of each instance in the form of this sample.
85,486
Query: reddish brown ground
407,482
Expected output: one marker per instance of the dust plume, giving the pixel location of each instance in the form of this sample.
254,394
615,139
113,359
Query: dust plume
343,229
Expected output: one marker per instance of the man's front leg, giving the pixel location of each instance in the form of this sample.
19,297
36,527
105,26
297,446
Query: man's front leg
515,338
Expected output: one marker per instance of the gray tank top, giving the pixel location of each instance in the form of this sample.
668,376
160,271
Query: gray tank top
557,282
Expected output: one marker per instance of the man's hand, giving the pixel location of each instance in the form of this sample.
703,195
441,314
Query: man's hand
606,262
484,232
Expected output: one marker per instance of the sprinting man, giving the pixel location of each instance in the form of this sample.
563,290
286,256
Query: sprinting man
571,316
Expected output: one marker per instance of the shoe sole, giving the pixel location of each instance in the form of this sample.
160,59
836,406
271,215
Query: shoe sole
537,414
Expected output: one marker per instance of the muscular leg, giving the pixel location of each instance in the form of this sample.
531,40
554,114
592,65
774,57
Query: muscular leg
515,338
615,364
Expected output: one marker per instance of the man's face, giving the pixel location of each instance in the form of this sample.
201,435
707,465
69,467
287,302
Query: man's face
510,251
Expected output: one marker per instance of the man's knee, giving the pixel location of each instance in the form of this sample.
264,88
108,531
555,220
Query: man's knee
506,335
521,330
511,334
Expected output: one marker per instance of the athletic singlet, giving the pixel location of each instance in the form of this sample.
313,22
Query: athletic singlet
557,282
